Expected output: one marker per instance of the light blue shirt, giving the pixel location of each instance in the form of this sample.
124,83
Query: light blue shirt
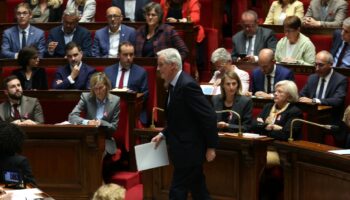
99,110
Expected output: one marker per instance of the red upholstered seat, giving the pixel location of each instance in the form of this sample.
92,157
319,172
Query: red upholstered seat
134,193
101,7
126,179
321,42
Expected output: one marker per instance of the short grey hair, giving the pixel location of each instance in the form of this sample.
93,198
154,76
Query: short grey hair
346,22
221,54
70,11
328,56
171,55
291,88
250,12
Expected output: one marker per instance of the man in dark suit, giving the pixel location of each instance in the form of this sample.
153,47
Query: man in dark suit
340,46
19,109
107,39
248,42
132,11
67,32
76,74
23,34
268,74
125,74
191,132
326,86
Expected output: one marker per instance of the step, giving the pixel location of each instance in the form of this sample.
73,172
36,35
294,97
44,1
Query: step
134,193
126,179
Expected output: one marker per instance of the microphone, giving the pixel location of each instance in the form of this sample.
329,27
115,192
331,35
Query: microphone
239,119
153,110
332,128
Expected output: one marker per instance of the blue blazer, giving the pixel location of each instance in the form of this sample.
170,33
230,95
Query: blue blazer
82,82
258,78
138,8
101,41
81,36
336,45
137,82
11,42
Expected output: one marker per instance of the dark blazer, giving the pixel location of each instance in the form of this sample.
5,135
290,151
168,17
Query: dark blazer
258,77
82,82
165,37
335,93
285,120
265,38
138,8
81,36
101,40
191,124
11,42
137,82
336,45
17,163
342,136
39,78
243,106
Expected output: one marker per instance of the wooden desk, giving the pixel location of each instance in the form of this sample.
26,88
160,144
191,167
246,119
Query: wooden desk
66,160
310,172
234,174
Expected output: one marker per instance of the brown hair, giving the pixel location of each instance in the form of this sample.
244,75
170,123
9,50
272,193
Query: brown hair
292,22
232,75
99,77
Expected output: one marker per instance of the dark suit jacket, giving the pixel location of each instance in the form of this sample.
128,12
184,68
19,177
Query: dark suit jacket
39,79
81,36
285,120
17,163
258,77
243,106
11,42
30,109
138,8
82,82
137,82
101,40
191,123
264,39
336,45
335,93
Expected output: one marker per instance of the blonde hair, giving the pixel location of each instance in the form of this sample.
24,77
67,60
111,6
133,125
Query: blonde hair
109,191
99,77
346,114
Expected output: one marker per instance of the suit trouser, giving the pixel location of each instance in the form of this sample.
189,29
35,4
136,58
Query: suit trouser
189,179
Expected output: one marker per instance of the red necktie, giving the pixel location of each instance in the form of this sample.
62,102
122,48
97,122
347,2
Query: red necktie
121,80
16,114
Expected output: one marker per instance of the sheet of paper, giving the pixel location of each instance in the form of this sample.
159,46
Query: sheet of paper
25,194
209,90
147,157
341,151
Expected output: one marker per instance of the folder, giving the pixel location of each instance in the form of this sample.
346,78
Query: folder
147,157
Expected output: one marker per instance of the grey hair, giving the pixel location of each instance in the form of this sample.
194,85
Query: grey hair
70,11
221,54
346,114
171,55
290,88
157,8
346,22
252,13
328,55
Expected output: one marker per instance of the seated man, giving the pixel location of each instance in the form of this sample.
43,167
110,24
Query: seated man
326,86
76,74
125,74
248,42
340,47
67,32
23,34
268,74
19,109
326,13
107,39
132,10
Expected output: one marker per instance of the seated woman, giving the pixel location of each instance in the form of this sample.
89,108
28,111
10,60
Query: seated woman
46,10
275,118
295,47
110,191
11,141
231,99
156,36
30,75
281,9
100,107
86,8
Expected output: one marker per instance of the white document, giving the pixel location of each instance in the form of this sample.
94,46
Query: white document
341,151
147,157
25,194
210,89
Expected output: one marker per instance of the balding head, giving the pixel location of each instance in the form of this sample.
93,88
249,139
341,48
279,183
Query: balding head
323,63
114,17
266,60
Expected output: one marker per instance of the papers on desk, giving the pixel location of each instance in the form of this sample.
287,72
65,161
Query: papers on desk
24,194
147,157
245,135
124,89
341,151
211,89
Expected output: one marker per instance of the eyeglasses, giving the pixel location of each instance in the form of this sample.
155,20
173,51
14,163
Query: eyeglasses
114,16
320,64
248,25
24,14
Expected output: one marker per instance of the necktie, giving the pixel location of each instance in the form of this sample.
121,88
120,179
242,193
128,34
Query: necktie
16,114
320,92
170,90
341,55
249,45
121,80
24,41
268,78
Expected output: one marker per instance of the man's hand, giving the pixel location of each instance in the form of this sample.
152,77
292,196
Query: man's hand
171,19
305,100
249,58
94,122
75,72
222,124
311,22
262,94
59,81
157,139
52,46
28,122
210,155
247,93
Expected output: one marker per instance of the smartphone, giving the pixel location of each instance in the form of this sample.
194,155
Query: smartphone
12,177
